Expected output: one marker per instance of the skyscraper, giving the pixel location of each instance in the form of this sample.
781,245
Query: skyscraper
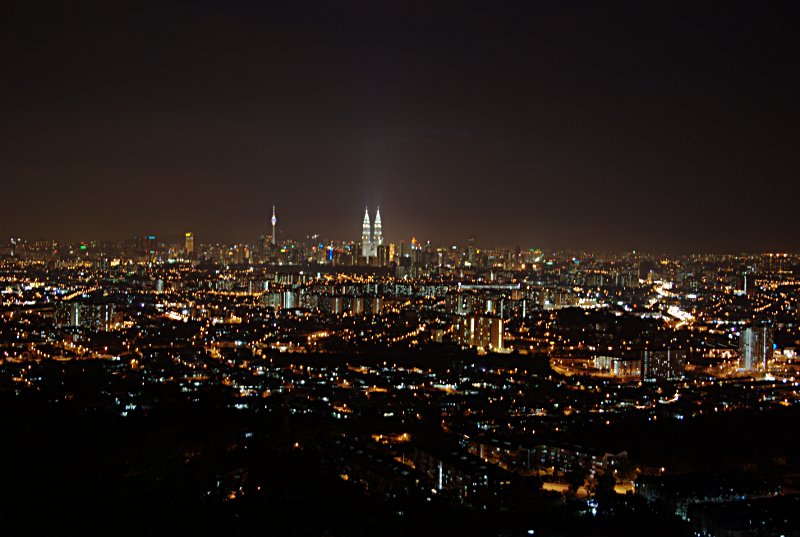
371,238
366,236
377,235
755,347
274,221
471,251
188,246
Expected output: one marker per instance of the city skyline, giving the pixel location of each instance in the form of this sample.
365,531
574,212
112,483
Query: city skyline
369,230
601,126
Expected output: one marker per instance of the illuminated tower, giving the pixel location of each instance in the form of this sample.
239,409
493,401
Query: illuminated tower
377,236
274,221
188,247
471,251
366,236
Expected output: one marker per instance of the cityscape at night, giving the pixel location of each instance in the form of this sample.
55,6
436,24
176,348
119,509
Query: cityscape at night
595,387
405,268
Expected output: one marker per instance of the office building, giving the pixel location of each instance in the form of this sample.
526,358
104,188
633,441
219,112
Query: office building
371,237
366,237
188,245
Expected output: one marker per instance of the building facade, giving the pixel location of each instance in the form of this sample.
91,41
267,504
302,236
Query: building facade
666,364
755,348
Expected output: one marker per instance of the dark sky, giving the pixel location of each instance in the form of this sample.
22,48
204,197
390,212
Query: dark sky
661,126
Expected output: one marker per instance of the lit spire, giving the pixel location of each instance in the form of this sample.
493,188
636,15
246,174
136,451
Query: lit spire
365,227
378,235
366,235
274,221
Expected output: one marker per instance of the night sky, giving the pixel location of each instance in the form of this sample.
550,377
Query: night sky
658,126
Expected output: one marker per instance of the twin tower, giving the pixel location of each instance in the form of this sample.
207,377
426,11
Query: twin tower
371,238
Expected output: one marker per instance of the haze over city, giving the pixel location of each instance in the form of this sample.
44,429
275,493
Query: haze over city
659,126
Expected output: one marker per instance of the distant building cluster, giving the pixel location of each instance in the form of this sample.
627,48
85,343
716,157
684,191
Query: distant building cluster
631,316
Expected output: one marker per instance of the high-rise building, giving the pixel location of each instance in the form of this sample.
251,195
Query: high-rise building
618,367
188,245
666,364
371,238
471,251
366,236
382,254
95,313
274,221
755,347
481,331
377,233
